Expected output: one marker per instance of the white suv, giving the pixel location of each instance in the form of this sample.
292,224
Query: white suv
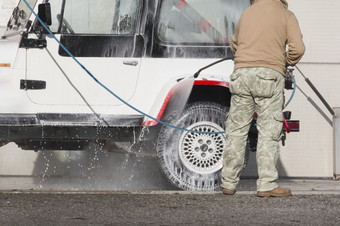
143,51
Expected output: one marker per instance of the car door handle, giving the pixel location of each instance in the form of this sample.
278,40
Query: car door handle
130,62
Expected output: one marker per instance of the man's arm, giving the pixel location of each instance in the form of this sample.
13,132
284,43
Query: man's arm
296,48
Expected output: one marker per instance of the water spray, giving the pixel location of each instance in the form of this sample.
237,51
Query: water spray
105,87
118,97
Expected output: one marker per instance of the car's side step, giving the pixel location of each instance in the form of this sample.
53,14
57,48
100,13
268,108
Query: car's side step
48,119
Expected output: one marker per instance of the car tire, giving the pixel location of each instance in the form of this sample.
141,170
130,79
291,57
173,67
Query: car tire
193,161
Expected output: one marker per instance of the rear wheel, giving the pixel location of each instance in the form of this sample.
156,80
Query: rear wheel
190,160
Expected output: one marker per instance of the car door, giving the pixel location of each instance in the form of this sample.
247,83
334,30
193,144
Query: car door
102,35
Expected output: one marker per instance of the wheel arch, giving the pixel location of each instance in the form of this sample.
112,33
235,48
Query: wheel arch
202,91
210,92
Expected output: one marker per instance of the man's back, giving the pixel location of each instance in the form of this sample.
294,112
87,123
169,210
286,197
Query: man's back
259,44
262,34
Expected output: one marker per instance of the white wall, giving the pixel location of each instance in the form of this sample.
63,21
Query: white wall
308,153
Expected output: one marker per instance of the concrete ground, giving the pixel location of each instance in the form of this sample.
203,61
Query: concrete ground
313,203
133,192
64,184
24,202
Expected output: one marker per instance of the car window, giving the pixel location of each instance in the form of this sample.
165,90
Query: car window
55,13
199,21
20,15
96,17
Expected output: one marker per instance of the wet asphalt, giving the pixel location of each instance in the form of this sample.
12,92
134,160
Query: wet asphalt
166,208
132,191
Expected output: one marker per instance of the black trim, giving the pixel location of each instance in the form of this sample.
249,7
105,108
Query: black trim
102,46
67,131
32,84
61,15
64,133
165,51
30,43
54,119
287,114
44,13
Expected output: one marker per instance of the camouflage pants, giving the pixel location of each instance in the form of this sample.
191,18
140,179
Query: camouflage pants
260,90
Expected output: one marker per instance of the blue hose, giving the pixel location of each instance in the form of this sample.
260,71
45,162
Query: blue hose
115,95
294,88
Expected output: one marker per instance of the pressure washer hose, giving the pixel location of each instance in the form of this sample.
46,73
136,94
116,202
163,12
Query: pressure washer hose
119,98
294,89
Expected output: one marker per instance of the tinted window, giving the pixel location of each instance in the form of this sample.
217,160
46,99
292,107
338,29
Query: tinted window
96,17
199,21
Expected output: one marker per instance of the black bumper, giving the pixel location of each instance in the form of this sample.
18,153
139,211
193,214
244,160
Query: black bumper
67,131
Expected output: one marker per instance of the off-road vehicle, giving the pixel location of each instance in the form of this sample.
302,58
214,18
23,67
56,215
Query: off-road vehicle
144,51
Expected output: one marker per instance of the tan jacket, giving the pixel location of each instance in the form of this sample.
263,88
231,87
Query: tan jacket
262,34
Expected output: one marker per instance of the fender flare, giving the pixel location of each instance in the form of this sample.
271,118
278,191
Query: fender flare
172,101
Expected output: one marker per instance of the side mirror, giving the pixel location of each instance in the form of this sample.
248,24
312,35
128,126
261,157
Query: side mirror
44,12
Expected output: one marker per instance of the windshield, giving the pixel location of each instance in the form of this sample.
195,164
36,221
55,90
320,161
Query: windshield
20,16
95,17
199,21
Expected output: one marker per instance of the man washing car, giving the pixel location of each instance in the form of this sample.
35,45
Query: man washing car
259,44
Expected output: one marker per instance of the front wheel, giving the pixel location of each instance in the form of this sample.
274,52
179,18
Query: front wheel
190,160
